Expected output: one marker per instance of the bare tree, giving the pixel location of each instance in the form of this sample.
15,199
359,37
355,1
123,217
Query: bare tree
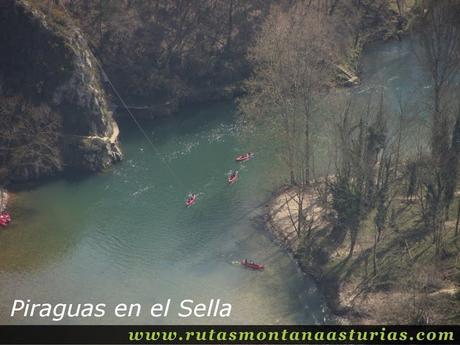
294,58
440,37
363,170
29,146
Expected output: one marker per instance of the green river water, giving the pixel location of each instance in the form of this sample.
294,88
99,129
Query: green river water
125,235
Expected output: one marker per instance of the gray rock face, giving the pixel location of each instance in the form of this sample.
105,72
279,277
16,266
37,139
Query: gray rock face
46,60
96,146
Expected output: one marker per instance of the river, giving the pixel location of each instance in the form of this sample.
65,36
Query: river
124,236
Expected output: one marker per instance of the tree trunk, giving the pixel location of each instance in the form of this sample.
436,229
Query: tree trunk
374,256
458,220
307,149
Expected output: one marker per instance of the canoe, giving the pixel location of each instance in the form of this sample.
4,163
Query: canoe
232,178
244,158
252,265
5,218
190,201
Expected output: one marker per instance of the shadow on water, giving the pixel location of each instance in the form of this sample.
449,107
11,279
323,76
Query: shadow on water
69,176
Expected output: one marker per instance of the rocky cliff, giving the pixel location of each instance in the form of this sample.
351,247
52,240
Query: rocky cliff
53,109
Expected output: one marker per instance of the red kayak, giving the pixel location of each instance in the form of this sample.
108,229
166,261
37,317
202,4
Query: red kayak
5,218
232,177
251,265
245,157
190,200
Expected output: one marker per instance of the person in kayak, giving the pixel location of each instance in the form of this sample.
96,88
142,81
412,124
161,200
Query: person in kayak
233,176
244,157
251,264
191,199
5,218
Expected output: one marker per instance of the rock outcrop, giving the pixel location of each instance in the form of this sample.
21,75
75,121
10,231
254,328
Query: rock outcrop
46,64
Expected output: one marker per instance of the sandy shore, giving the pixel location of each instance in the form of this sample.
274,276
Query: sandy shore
279,216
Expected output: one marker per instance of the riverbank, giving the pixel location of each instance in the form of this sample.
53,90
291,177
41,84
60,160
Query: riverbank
408,286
